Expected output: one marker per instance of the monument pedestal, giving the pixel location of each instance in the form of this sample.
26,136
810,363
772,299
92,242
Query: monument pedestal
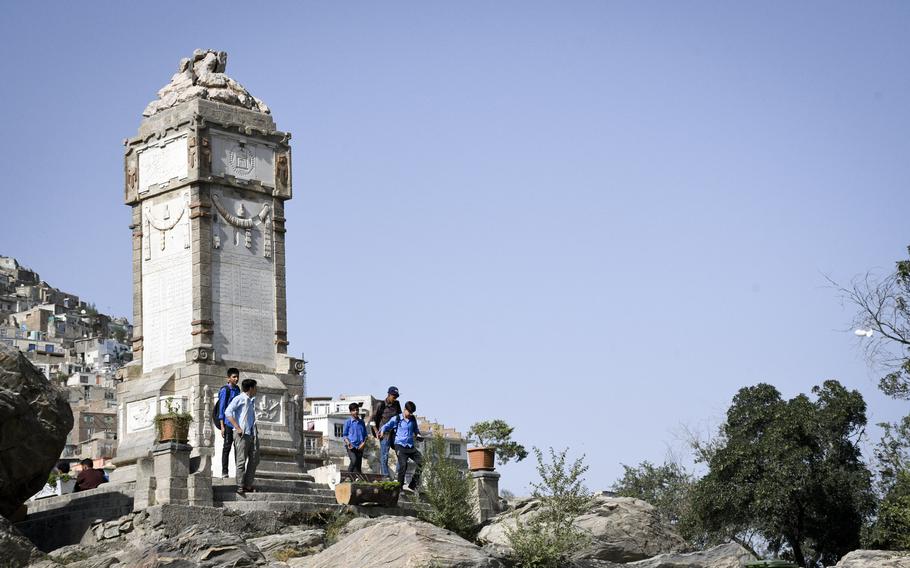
486,484
172,468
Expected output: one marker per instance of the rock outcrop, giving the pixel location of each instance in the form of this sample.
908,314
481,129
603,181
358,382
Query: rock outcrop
16,549
623,530
35,419
400,542
729,555
202,77
875,559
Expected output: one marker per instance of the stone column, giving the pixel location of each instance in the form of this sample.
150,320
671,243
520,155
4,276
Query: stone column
145,484
172,470
487,494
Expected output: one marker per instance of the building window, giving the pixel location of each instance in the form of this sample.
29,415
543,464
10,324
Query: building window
454,449
32,346
309,444
49,348
339,430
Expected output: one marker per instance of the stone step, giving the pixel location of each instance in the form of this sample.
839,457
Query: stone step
275,497
281,506
278,485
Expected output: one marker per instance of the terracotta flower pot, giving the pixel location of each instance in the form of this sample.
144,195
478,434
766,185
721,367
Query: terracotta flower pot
481,459
173,430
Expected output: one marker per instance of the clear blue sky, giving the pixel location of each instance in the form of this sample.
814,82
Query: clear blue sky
597,220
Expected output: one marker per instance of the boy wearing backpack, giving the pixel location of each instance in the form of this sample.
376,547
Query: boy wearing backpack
225,396
406,437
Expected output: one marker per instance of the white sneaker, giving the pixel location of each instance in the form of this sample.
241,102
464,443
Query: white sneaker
224,476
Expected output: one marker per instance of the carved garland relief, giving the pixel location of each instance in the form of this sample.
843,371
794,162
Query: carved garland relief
164,224
245,224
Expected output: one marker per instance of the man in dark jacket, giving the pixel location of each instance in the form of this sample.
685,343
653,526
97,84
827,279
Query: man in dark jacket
387,409
89,477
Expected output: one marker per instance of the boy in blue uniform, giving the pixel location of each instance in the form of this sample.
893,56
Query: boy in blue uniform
355,437
225,396
406,436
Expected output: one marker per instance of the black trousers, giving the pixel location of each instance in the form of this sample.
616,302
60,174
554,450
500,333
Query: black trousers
404,454
226,451
356,458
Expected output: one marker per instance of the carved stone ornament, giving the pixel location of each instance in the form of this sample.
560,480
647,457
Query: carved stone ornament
202,77
282,171
241,222
268,408
132,175
163,225
191,153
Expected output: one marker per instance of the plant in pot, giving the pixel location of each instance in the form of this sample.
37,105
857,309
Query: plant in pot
173,425
492,438
61,483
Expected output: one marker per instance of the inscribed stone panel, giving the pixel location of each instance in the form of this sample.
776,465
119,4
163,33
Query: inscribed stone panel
240,157
243,288
167,295
159,163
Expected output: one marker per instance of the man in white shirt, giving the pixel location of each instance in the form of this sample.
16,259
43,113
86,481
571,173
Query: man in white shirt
241,413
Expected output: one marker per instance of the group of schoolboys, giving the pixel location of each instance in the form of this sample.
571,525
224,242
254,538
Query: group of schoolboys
235,415
395,428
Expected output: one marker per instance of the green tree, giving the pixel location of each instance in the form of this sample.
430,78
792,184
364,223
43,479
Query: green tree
669,488
448,492
549,537
883,308
891,528
789,471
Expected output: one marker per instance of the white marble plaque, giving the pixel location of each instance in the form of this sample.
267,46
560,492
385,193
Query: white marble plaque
238,157
167,295
140,415
162,162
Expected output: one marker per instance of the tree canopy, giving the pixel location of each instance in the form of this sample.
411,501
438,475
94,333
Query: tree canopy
789,471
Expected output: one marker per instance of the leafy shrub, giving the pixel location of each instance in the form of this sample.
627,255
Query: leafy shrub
549,538
448,491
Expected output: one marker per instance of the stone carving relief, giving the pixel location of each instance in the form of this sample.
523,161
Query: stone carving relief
243,159
202,77
268,408
132,176
244,225
140,414
163,222
282,172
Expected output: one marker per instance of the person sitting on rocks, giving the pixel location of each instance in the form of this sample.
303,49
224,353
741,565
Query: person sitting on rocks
406,437
355,438
89,477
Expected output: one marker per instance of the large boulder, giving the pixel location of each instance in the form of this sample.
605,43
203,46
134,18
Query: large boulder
400,542
16,549
35,419
730,555
623,530
875,559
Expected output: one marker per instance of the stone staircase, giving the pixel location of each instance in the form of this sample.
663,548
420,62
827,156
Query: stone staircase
294,496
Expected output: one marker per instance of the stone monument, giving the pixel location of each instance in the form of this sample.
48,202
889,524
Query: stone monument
206,178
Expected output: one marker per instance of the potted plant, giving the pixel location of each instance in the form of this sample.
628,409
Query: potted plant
173,425
492,438
61,483
382,493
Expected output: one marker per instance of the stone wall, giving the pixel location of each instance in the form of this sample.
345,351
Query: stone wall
57,521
